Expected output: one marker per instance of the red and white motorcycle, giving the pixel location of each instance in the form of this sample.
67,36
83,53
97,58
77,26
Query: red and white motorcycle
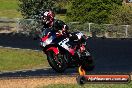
64,52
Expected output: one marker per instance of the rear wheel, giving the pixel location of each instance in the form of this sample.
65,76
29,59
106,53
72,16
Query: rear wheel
57,62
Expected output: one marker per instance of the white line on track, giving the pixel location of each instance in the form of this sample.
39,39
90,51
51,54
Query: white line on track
25,70
19,48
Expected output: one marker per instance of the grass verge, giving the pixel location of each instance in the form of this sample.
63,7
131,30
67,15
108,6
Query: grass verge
9,8
129,85
13,59
54,82
10,14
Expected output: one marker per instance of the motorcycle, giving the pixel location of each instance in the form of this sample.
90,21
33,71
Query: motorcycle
66,52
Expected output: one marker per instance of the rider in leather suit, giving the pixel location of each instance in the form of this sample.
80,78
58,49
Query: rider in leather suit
48,21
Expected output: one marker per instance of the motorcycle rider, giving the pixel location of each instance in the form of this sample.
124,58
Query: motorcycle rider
49,21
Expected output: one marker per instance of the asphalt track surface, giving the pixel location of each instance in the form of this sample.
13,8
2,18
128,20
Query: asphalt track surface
110,56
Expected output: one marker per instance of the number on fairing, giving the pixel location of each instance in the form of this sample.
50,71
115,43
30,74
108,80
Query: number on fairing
64,43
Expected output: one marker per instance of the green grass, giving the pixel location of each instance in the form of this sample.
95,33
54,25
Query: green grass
11,59
9,8
8,4
129,85
10,14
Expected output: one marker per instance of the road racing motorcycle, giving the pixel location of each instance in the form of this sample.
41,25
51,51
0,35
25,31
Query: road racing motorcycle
66,52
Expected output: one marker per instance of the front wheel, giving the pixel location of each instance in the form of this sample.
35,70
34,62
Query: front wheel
88,64
57,62
87,61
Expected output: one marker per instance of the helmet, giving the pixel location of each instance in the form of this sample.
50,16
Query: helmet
47,16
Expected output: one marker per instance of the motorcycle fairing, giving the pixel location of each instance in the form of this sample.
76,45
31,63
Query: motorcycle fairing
46,40
50,38
64,43
79,35
54,49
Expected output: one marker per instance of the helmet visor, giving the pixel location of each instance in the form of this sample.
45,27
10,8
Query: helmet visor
45,19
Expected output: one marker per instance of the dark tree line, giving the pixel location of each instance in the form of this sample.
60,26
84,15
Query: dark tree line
94,11
31,8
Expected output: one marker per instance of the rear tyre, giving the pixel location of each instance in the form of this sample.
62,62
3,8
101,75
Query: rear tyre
57,62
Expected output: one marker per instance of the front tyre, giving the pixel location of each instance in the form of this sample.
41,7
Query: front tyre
88,64
57,62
